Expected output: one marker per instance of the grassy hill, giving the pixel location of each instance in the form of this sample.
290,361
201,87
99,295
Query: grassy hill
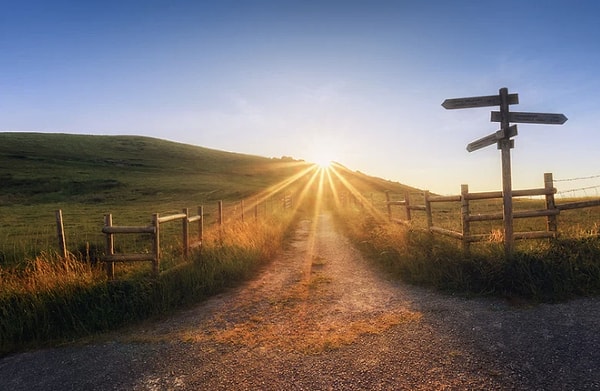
42,168
46,168
130,176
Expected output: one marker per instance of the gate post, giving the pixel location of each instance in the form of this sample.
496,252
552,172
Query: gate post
466,225
407,205
389,207
156,245
428,210
201,224
551,222
220,213
186,232
60,231
110,247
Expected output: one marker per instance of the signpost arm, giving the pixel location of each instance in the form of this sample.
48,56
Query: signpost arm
505,145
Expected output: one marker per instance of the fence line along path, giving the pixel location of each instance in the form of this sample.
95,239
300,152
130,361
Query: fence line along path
154,230
551,211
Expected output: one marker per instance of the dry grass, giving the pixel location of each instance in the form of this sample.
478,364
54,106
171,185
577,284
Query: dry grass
47,272
53,298
545,270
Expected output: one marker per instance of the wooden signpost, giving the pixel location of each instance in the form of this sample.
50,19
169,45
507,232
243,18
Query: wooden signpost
531,118
478,101
503,139
492,139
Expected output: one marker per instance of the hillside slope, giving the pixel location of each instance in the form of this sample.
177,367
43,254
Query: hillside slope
49,168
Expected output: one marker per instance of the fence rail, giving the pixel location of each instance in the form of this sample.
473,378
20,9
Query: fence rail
551,211
154,231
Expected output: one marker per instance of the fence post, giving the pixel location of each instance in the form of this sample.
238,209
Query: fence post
201,225
220,218
407,204
60,231
186,232
156,244
242,207
220,213
464,211
256,211
552,224
110,247
389,207
428,210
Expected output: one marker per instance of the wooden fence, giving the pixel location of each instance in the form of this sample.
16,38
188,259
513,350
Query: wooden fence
238,212
551,211
154,231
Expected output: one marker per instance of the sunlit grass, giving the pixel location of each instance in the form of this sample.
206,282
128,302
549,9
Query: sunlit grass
47,272
54,298
546,270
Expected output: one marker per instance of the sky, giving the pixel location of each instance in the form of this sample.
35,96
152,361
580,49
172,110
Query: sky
357,82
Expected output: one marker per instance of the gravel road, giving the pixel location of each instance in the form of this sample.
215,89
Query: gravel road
320,318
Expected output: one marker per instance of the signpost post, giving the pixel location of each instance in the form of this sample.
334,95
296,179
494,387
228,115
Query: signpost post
507,207
503,139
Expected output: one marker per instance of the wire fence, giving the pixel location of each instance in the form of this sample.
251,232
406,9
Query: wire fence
578,187
31,231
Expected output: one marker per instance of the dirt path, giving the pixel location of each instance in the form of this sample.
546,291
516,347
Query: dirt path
320,318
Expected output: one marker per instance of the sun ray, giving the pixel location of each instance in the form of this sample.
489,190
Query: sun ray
317,188
279,187
371,209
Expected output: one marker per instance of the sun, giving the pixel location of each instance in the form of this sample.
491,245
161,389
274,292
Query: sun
322,155
323,163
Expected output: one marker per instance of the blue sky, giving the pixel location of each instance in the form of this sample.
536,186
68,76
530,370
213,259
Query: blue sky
359,81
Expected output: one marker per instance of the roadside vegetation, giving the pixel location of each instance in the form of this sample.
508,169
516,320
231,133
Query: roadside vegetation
540,270
53,299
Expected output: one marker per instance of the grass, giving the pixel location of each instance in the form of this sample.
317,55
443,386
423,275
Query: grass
54,299
540,270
